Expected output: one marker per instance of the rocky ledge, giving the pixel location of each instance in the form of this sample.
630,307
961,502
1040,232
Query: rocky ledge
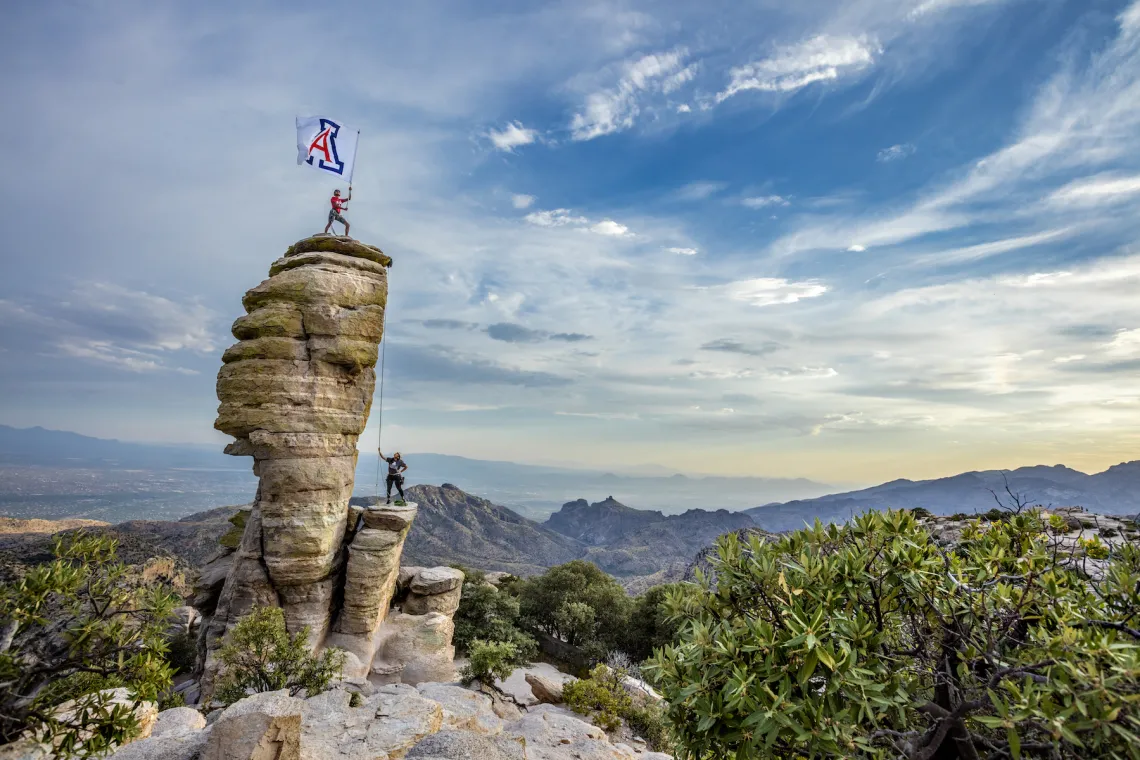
434,721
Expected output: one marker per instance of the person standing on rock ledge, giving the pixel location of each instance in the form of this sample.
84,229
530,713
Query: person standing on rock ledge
338,206
396,469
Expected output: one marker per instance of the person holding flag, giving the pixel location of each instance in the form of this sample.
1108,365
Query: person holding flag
338,207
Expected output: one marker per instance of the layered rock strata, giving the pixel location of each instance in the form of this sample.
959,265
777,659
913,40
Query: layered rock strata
295,393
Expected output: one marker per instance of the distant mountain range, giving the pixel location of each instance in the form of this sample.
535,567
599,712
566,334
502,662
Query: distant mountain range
636,546
57,448
535,491
1116,491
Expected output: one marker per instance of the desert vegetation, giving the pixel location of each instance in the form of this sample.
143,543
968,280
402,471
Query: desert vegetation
871,640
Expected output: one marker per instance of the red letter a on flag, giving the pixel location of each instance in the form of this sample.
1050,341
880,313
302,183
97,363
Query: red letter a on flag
321,143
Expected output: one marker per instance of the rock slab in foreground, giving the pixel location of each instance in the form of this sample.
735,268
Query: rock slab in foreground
436,720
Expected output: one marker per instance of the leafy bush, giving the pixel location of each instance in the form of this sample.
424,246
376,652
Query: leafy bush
604,698
601,696
867,640
83,622
488,661
922,513
260,655
487,614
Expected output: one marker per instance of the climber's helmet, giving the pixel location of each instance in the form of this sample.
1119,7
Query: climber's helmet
336,192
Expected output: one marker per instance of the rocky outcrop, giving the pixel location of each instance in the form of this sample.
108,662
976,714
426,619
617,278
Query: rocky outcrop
295,393
546,690
436,721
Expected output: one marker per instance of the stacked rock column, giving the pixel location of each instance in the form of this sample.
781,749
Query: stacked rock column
295,393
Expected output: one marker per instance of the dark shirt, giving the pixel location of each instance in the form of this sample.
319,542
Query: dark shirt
395,466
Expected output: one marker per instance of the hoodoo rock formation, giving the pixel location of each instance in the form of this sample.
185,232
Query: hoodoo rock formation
295,393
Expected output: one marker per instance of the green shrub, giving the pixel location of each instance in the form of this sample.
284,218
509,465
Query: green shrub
1093,547
604,698
488,661
260,655
648,721
922,513
601,696
1109,532
83,622
488,614
868,641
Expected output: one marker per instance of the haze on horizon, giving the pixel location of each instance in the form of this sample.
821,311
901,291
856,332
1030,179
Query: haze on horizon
850,241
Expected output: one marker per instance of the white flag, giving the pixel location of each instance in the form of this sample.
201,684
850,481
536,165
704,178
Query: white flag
327,144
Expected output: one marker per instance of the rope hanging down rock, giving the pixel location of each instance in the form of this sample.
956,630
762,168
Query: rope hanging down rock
380,415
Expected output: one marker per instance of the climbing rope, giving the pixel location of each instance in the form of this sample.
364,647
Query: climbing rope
380,416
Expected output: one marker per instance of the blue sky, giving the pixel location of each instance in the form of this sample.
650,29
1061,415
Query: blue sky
849,240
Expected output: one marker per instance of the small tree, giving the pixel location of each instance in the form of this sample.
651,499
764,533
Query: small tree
488,661
72,627
488,614
869,640
260,655
546,604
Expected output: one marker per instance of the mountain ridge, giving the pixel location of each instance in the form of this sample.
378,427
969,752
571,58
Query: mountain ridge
1114,490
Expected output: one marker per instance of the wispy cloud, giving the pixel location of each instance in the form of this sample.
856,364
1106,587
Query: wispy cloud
561,217
699,191
683,251
764,201
514,333
522,201
895,153
772,291
616,108
819,59
729,346
1102,189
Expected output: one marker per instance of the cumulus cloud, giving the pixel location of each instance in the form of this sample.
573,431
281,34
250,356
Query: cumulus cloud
610,228
522,201
764,201
512,136
771,291
856,248
617,108
819,59
895,153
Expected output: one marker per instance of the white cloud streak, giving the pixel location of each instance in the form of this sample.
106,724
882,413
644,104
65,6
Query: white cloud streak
819,59
617,108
